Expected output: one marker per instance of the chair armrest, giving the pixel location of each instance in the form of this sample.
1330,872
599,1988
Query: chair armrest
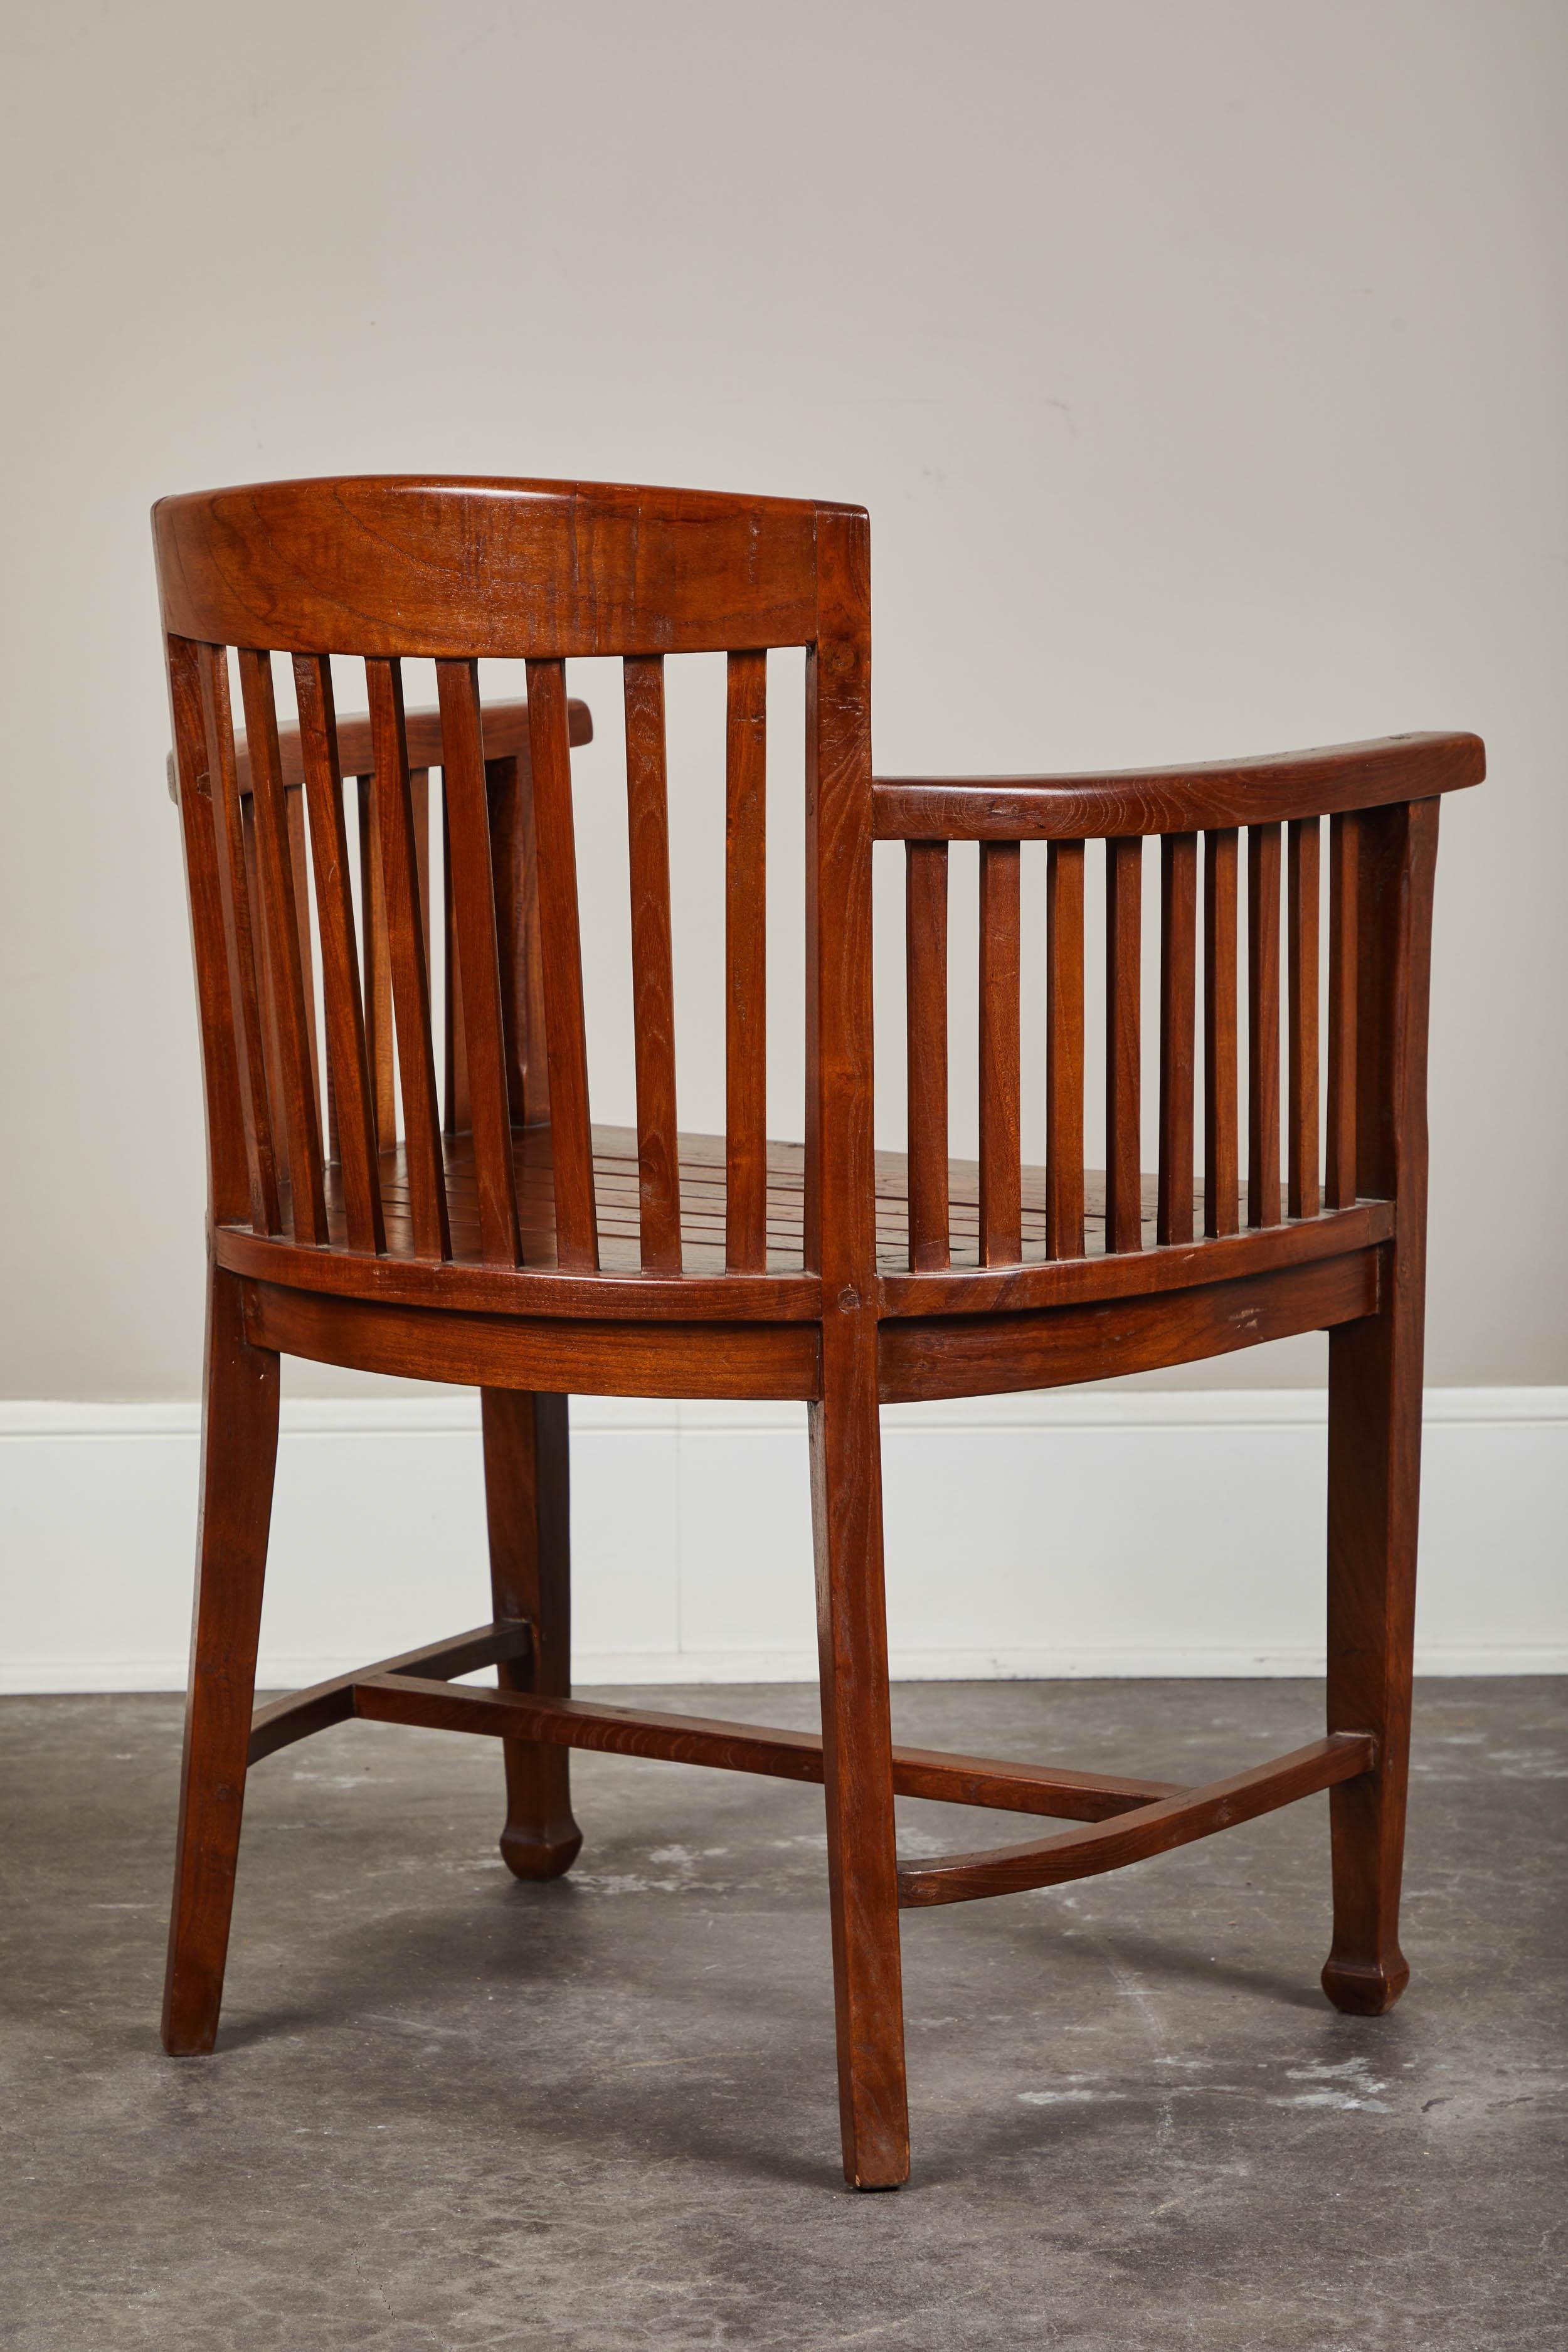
1175,800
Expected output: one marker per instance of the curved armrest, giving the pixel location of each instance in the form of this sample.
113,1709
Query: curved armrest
1175,800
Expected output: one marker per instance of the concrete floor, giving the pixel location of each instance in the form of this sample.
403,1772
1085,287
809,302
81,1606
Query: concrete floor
447,2110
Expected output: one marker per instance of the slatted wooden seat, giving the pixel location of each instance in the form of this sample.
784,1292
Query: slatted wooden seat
405,1176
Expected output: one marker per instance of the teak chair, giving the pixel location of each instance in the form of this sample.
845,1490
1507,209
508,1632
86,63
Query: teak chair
503,1242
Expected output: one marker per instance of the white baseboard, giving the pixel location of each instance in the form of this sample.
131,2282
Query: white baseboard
1085,1533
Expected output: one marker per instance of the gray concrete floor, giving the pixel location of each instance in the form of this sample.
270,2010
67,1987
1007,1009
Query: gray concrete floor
448,2110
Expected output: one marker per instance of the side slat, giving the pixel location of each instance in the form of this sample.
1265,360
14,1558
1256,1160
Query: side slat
653,978
1263,1025
925,952
1301,1111
231,1146
1221,1158
1178,1013
408,935
1000,1155
1063,1049
340,960
745,952
1344,861
455,1075
471,891
246,999
301,1115
506,783
378,1033
576,1227
1124,1043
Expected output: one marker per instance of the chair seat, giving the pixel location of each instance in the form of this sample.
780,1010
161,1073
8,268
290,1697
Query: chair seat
702,1205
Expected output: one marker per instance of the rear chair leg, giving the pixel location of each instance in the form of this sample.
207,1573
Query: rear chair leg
239,1456
526,1499
858,1762
1374,1464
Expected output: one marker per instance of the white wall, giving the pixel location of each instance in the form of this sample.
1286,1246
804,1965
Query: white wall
1095,1533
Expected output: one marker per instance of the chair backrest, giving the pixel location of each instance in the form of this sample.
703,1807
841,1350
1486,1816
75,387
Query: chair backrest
384,569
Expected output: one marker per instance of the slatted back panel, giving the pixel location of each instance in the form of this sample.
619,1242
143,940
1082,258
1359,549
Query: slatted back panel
372,1117
1227,1059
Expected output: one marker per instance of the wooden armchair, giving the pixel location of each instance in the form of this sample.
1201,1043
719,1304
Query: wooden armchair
491,1236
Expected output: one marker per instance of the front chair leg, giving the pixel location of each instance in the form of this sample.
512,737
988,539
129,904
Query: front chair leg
858,1764
239,1456
528,1503
1375,1465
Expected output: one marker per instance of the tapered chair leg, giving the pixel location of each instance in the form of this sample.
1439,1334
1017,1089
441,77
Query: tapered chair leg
1375,1463
527,1500
239,1456
858,1768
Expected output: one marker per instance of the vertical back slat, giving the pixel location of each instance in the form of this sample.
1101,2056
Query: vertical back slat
301,1116
377,967
357,1144
1344,848
1263,1025
1063,1049
504,784
247,998
1124,1043
1000,1155
925,952
745,952
571,1140
409,940
1301,1114
300,868
1178,1013
455,1092
234,1191
653,980
1222,1173
471,895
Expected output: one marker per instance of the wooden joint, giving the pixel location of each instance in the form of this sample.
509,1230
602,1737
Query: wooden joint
295,1717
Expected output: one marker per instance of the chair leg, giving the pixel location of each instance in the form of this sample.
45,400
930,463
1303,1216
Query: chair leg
1375,1466
239,1456
857,1766
527,1499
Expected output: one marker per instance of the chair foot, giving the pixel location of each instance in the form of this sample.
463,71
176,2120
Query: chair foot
540,1854
1365,1988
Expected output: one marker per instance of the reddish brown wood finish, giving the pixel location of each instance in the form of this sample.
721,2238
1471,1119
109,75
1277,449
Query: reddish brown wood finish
653,982
925,947
1124,1046
528,1503
511,1246
745,967
1000,1163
